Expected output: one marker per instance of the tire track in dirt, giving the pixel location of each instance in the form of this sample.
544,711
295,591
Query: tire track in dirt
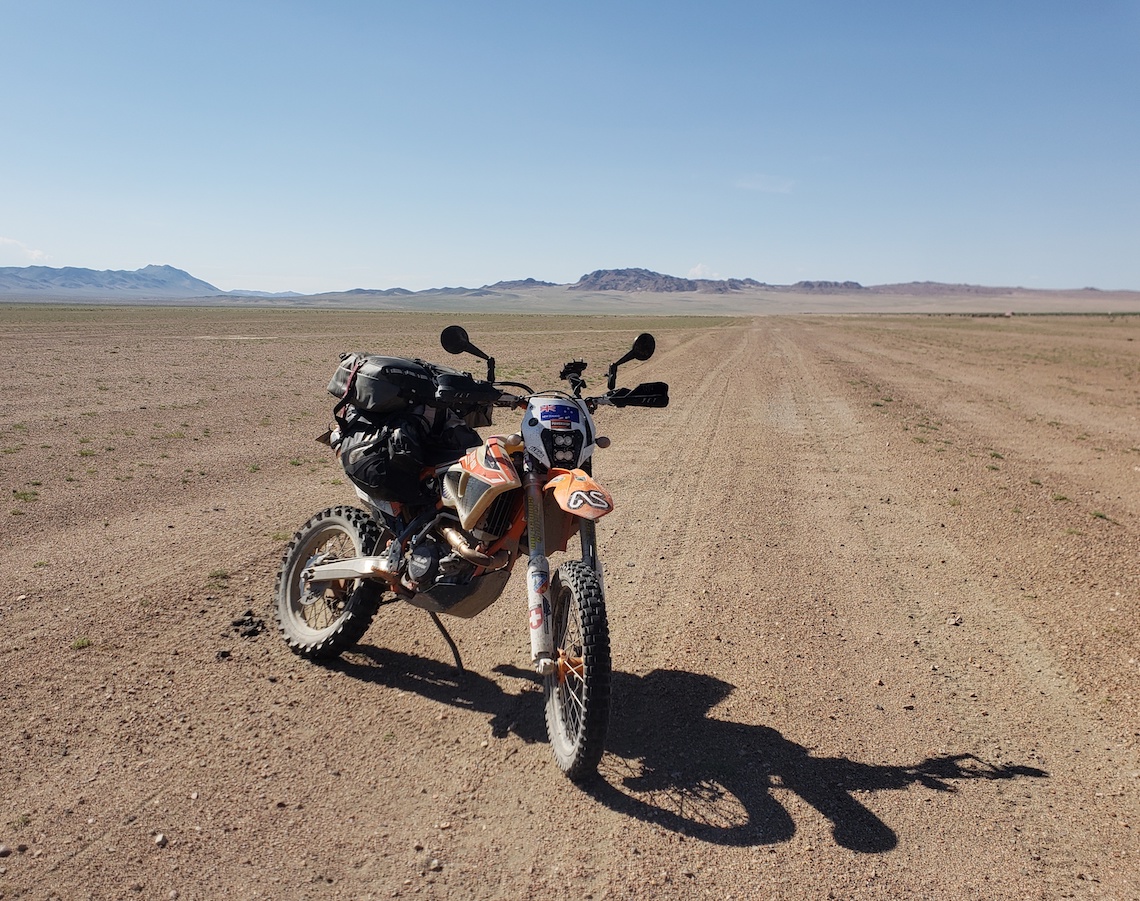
1069,567
1027,393
909,517
989,680
658,550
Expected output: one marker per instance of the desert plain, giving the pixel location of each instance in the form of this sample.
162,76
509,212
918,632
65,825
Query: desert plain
873,587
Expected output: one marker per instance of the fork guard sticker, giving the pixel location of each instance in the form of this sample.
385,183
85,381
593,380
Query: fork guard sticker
539,583
576,492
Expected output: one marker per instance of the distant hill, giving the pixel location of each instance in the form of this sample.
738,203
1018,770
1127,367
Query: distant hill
829,287
941,289
378,292
239,292
646,280
519,283
633,280
150,281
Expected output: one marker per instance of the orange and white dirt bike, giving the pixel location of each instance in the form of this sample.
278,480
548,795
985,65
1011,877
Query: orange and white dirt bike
449,546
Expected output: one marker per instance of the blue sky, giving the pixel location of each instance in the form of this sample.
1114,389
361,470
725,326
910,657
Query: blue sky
319,146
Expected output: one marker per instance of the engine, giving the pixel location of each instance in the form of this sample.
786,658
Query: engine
432,561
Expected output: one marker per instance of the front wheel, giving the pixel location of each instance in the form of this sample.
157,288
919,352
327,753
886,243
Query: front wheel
578,693
324,623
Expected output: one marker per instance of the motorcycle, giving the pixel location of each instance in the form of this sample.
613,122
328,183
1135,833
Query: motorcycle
450,545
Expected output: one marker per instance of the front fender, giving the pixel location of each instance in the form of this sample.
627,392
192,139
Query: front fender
578,494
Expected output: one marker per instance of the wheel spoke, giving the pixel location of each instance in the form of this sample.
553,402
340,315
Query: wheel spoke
324,610
573,696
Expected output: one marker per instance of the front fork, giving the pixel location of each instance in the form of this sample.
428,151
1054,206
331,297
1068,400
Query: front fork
538,575
538,581
588,536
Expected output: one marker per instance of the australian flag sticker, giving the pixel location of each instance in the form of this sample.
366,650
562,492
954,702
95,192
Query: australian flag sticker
559,411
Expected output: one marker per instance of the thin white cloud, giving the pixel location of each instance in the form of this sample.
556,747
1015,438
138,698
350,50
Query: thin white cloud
17,253
702,271
766,184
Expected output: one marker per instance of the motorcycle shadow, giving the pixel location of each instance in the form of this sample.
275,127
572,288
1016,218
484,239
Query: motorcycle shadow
520,714
669,763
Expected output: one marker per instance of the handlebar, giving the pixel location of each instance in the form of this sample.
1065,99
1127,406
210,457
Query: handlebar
455,340
647,394
510,400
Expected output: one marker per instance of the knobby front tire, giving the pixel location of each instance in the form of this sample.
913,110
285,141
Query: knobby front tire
578,694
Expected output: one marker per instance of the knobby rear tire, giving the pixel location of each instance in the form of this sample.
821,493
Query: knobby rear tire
578,701
322,625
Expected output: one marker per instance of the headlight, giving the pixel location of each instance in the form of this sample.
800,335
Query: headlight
563,448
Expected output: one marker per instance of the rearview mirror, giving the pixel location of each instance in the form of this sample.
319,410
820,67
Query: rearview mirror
455,341
643,347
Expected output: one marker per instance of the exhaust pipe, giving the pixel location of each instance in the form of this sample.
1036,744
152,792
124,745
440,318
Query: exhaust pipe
462,547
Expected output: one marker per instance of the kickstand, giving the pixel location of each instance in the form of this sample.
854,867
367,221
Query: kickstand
448,639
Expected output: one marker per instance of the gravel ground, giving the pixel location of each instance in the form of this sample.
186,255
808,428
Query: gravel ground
873,586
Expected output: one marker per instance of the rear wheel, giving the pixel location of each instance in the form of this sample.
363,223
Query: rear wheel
323,623
578,694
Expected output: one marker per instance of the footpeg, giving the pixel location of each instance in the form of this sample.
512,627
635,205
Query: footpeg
385,566
388,563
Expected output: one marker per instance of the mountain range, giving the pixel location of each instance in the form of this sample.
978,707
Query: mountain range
169,283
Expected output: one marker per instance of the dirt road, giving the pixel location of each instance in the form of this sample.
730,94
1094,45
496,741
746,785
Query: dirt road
873,586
